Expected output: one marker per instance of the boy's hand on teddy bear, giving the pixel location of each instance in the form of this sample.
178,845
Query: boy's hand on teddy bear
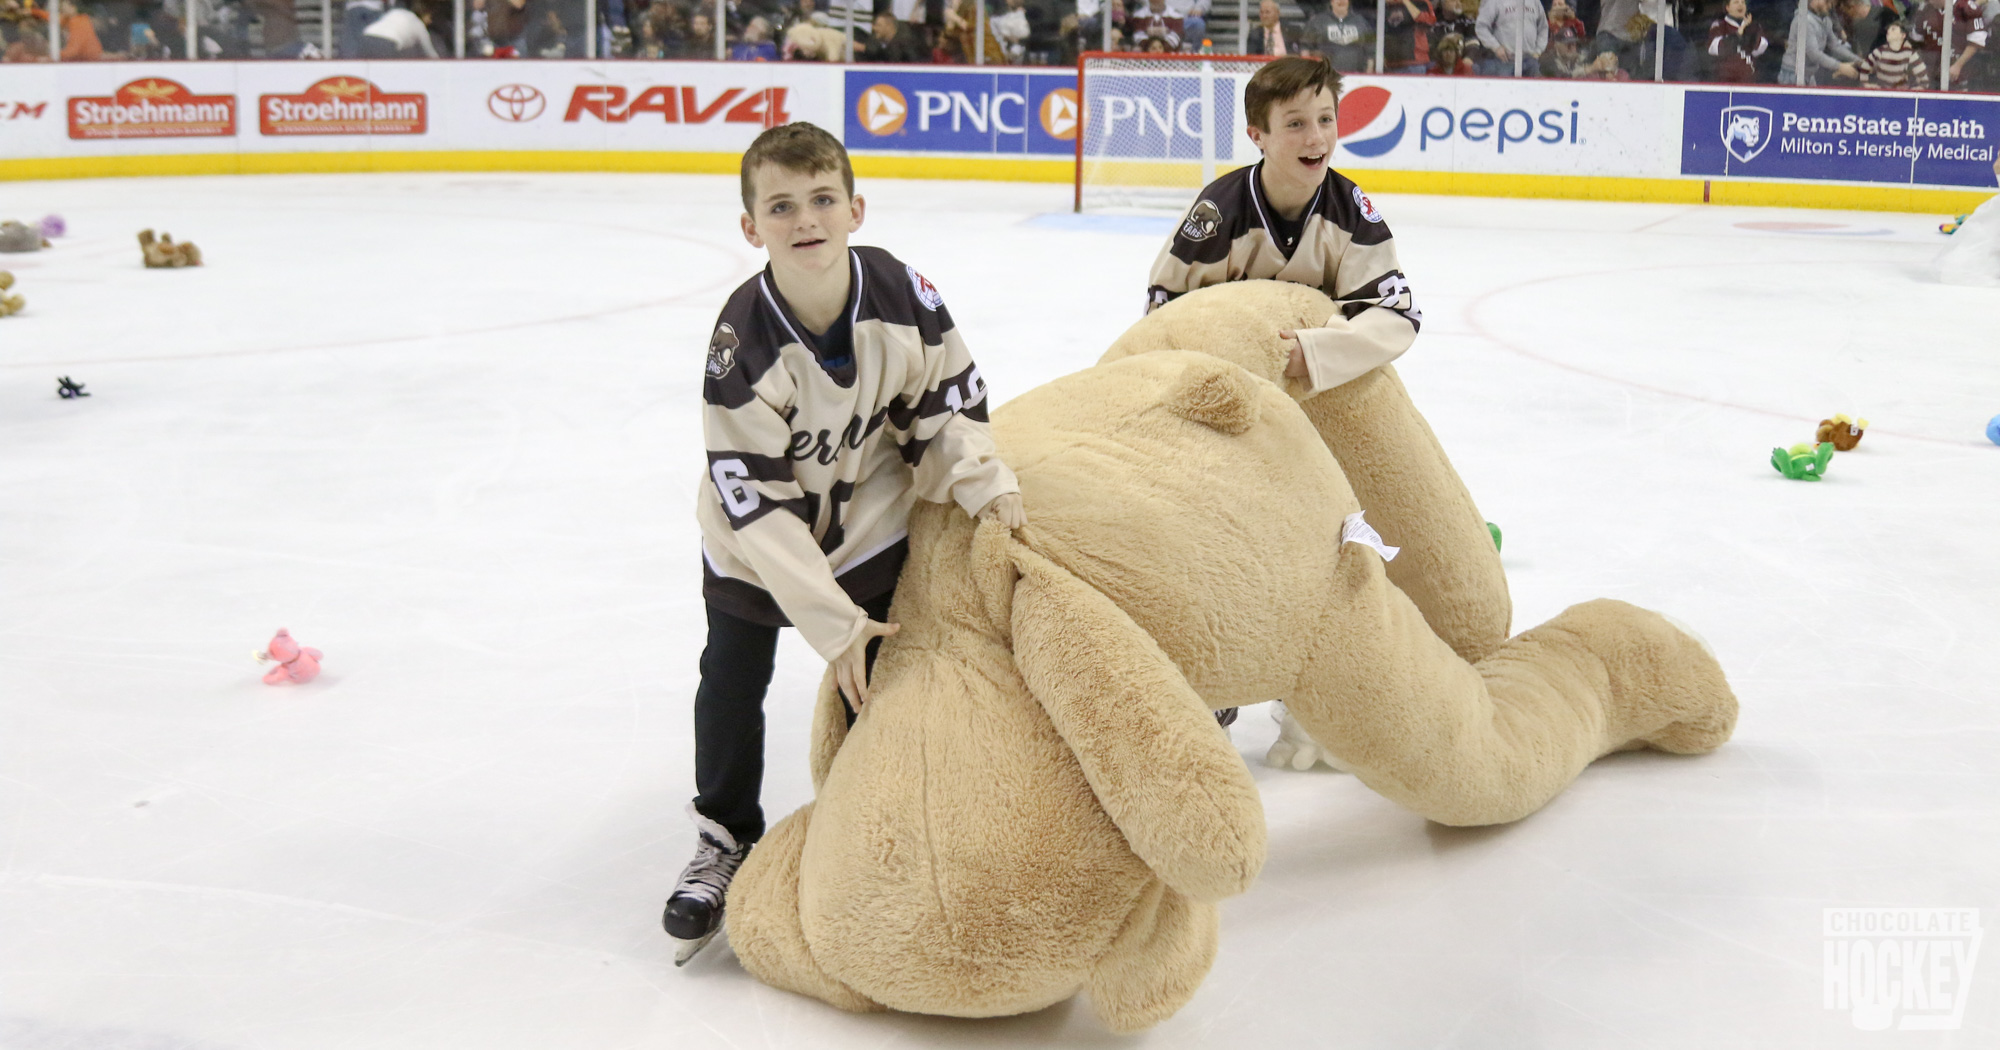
1006,509
1295,364
850,668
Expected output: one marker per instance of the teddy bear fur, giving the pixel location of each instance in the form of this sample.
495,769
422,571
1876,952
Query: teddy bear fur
162,253
1037,801
9,304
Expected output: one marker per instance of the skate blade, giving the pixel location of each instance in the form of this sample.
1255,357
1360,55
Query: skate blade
685,950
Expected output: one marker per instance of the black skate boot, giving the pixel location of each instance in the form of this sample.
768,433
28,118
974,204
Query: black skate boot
694,910
1226,717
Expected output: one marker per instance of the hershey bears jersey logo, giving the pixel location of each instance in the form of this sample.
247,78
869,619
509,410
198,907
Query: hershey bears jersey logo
722,351
1203,221
927,292
1367,206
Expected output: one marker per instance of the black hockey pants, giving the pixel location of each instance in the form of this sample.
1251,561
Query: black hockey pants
729,717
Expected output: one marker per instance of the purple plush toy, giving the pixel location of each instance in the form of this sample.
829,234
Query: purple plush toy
53,226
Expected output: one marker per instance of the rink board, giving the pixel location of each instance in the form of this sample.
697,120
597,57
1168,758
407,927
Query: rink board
1468,136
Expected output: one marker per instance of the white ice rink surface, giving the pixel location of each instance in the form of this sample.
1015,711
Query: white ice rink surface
445,429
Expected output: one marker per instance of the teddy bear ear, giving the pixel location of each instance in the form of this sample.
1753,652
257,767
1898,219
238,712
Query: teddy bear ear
1216,394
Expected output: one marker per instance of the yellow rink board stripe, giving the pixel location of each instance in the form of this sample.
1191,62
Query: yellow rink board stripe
1009,169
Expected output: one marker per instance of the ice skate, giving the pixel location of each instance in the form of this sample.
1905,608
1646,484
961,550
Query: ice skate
694,910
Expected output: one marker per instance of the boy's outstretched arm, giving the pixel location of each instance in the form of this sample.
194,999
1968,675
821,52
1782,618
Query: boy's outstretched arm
946,437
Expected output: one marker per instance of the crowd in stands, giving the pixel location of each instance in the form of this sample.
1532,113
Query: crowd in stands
1852,43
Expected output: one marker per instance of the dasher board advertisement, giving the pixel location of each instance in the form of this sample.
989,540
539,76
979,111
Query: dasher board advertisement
1863,136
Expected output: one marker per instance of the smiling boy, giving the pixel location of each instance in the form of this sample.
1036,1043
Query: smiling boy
837,393
1291,217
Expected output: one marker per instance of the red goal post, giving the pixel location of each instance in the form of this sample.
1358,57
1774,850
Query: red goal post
1153,129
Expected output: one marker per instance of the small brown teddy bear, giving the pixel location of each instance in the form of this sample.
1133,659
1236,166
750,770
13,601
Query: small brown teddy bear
20,237
165,254
1843,432
9,304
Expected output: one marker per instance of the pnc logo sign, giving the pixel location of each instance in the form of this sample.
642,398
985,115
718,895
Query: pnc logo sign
1059,114
516,103
882,110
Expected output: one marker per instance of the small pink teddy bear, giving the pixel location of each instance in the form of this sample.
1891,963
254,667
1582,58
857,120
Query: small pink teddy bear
296,663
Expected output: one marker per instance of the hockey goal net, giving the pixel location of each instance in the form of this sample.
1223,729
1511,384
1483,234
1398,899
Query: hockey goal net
1157,128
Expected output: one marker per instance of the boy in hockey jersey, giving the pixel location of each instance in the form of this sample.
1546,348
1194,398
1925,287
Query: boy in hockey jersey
1291,217
837,392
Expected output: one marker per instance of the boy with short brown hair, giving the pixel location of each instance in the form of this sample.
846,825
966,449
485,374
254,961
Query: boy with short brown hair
1291,217
837,392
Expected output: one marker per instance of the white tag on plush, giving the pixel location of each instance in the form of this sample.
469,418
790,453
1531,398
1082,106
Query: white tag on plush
1355,530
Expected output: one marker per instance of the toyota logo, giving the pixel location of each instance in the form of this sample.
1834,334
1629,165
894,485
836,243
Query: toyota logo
516,102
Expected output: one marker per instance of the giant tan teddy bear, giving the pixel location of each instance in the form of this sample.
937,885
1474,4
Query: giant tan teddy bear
1038,800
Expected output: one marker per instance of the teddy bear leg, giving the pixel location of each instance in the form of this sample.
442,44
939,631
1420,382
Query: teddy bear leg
1157,962
762,917
1490,743
1414,498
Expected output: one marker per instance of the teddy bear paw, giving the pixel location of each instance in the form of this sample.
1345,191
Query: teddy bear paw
1295,748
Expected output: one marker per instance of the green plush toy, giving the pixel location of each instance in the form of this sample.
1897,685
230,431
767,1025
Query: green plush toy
1803,462
1495,531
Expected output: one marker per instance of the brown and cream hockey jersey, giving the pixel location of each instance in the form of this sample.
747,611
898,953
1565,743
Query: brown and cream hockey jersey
1340,246
813,463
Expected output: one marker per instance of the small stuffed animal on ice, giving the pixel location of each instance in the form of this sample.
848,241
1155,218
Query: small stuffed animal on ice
296,663
9,304
163,253
53,226
20,237
1842,432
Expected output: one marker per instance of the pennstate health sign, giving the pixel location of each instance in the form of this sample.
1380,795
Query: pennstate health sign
152,108
1933,140
343,106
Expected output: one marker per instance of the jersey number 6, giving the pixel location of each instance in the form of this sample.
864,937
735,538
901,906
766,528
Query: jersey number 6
731,479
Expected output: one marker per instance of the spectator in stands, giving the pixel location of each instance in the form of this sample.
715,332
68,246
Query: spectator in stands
756,45
892,41
355,18
1406,38
1452,19
398,33
1968,39
1269,36
507,22
700,39
1815,53
1735,42
960,40
1561,15
1625,28
79,35
1862,22
1604,67
1511,28
1565,59
1344,37
1012,29
478,37
1193,17
1448,56
29,45
1895,64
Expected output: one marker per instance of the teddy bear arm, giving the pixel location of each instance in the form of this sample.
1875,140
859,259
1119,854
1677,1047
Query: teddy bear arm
1147,744
1466,744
